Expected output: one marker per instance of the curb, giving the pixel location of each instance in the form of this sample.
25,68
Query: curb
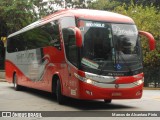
2,76
151,88
2,80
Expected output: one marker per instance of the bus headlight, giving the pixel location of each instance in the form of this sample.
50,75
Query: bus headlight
89,81
139,82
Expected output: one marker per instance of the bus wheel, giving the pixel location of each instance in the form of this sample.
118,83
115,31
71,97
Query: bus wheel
107,101
16,86
60,97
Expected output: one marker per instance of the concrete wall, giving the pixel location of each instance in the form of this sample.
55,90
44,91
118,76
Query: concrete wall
2,75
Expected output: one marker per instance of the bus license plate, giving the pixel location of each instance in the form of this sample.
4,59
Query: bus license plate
116,94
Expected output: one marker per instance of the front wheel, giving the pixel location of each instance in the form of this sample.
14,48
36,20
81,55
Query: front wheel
60,98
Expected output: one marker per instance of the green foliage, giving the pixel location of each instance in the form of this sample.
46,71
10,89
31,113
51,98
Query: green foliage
14,12
75,4
151,75
19,13
103,5
146,18
156,3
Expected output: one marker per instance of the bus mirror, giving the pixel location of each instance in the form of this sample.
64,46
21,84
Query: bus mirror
78,36
150,37
77,33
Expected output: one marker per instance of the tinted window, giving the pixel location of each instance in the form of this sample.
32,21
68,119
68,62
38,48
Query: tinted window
36,38
72,51
46,35
69,39
52,31
16,43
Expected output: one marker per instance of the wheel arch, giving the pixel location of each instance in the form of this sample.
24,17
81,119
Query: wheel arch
56,77
13,76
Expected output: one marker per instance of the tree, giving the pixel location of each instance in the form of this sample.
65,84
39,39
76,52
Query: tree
155,3
14,13
19,13
103,5
76,4
146,18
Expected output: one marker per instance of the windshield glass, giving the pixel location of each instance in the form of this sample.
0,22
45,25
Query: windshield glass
109,48
127,47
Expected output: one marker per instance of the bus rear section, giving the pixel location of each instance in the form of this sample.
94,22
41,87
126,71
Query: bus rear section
95,56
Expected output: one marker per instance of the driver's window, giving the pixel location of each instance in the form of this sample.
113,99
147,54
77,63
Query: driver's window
72,50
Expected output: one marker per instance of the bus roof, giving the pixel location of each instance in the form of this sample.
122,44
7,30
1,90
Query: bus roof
98,15
89,14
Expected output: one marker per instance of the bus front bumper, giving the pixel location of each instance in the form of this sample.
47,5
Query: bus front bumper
119,91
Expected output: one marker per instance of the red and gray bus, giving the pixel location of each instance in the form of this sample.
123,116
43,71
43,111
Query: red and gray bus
79,53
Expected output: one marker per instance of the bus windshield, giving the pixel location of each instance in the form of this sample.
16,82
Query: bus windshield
110,48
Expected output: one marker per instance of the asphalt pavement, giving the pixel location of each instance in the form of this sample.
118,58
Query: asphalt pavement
35,100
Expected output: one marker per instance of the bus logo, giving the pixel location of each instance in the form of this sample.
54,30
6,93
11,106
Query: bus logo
116,86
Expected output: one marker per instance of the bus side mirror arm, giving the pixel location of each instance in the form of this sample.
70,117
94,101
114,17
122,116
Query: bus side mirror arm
152,42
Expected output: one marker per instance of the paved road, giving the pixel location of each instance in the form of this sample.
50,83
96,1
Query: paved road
33,100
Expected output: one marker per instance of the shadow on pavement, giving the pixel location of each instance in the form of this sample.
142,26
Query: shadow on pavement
79,104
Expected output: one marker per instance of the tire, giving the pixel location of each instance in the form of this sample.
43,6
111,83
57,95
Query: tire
60,97
107,101
16,86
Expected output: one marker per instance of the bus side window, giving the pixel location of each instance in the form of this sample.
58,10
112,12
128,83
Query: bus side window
20,43
52,32
35,38
43,36
10,47
2,50
15,44
70,46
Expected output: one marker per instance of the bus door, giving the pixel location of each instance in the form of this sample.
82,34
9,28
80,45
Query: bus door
72,56
71,52
66,24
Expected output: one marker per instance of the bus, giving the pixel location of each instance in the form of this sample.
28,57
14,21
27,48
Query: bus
79,53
